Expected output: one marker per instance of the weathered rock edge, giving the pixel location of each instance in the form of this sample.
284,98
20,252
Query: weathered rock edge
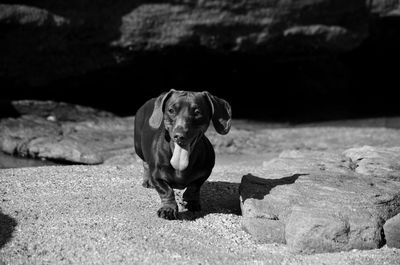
324,201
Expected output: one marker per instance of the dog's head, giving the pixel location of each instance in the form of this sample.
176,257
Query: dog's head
187,115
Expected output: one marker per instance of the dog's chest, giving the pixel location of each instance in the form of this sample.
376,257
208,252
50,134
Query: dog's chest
182,179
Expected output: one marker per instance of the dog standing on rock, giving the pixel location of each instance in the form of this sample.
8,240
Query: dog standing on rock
169,138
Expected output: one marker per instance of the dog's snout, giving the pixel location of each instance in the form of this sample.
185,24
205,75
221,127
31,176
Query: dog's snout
179,137
179,133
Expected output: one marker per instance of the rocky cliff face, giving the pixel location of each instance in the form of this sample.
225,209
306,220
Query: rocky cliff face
306,55
45,40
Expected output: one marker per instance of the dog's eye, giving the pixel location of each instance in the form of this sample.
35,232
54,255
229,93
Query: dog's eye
171,111
197,112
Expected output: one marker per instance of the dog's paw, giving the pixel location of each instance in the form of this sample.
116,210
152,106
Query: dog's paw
147,184
193,206
168,212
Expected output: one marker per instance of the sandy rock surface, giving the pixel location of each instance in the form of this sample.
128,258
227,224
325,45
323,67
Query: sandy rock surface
323,201
102,215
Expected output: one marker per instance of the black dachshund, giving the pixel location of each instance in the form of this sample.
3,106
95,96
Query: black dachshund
169,138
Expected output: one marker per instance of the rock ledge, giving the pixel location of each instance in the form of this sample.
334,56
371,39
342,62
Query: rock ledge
325,201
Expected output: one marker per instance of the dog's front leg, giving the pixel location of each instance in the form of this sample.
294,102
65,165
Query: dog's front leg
169,208
191,196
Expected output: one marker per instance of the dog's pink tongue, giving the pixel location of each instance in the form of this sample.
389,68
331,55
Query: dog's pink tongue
180,158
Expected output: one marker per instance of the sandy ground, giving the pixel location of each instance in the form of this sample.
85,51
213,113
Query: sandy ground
102,215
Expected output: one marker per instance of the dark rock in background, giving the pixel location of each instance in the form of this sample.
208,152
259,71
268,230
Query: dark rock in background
45,40
331,56
383,8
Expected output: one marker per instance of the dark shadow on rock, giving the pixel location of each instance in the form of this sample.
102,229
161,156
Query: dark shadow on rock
216,197
223,197
7,227
256,188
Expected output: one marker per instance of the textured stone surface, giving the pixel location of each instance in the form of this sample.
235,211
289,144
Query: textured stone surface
102,215
66,133
323,201
392,231
376,161
61,39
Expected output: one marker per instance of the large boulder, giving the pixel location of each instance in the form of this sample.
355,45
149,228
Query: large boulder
49,39
325,201
66,133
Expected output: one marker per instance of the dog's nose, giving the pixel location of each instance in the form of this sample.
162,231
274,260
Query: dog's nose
179,137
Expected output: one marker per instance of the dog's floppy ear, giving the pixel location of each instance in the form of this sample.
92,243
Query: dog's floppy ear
221,113
158,111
